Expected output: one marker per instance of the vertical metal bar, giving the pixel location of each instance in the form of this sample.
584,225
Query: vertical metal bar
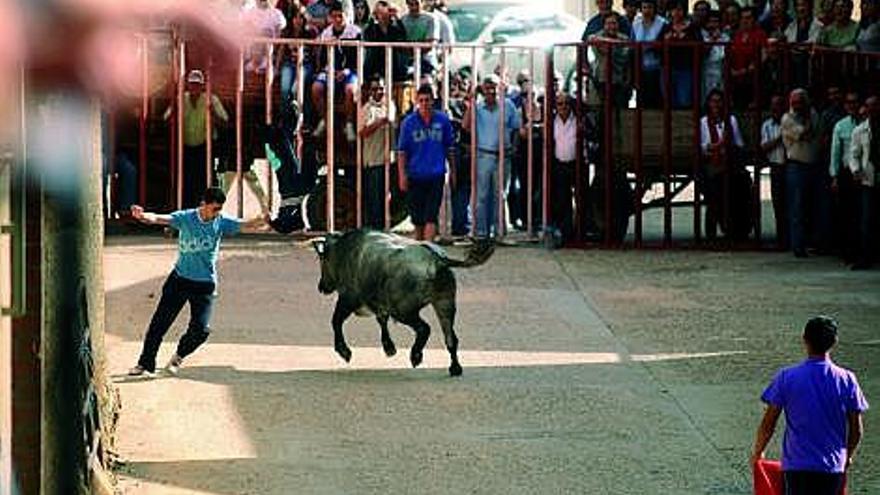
270,82
331,128
530,152
697,150
359,159
721,216
501,203
637,146
239,108
667,150
579,152
608,127
110,158
756,140
417,72
547,129
181,117
473,127
389,96
142,122
209,126
300,95
174,163
444,95
17,167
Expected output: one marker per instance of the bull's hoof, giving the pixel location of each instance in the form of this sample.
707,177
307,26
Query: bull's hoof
389,348
455,369
416,359
344,352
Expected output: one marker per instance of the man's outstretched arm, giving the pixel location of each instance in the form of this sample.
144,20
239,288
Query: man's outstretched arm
138,213
765,432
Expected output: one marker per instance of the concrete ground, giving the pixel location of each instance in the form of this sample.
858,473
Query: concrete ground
609,372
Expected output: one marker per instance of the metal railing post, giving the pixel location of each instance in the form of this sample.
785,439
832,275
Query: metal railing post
389,95
501,202
239,108
181,117
329,120
209,126
270,82
142,123
359,159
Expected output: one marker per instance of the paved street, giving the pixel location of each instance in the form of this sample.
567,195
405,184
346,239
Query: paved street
584,372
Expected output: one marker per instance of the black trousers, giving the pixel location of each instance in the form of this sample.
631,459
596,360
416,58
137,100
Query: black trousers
562,196
812,483
195,175
176,292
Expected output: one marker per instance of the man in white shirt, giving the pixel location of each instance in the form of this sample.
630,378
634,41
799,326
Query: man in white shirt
864,162
563,171
800,135
774,153
845,194
343,73
376,130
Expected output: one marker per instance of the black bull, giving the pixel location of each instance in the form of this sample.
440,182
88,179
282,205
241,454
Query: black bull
392,276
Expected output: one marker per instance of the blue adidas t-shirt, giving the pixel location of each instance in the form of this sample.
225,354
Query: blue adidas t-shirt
199,243
425,146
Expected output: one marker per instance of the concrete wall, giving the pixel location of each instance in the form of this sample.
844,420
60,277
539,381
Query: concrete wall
65,153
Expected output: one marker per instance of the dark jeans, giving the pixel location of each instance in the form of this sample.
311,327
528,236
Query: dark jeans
649,94
374,197
812,483
195,177
867,223
845,216
807,204
561,197
461,206
176,292
777,195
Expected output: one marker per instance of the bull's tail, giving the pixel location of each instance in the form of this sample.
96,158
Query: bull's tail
479,253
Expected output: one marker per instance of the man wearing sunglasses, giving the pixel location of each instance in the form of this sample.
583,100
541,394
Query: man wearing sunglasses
194,277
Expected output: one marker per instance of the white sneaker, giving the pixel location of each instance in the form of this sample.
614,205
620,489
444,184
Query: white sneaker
320,128
173,366
139,371
349,132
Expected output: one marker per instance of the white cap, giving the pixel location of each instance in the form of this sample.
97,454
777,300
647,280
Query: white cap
196,76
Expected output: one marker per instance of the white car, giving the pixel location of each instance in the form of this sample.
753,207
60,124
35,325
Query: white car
513,24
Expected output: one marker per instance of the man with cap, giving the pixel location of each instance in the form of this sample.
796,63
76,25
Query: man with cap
597,22
489,145
195,136
823,406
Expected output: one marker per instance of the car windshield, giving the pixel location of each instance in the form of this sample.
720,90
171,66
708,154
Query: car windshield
470,19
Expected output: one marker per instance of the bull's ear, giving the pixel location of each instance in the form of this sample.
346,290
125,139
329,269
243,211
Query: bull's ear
320,246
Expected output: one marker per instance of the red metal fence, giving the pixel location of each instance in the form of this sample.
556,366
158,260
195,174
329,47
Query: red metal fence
634,148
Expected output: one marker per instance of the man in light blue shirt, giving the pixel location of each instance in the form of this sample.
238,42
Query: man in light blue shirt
646,29
487,116
845,210
194,277
823,406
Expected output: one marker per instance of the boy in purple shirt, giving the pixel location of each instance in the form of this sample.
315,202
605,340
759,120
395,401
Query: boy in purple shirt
823,407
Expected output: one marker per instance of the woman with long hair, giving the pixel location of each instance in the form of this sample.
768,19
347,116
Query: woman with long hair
362,13
297,28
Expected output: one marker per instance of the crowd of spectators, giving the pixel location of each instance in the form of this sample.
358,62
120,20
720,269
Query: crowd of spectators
734,44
